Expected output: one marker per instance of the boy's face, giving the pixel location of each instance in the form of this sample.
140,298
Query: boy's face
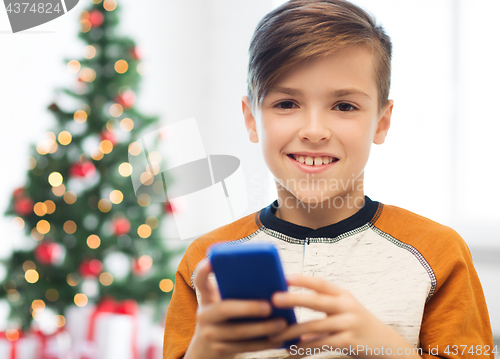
323,113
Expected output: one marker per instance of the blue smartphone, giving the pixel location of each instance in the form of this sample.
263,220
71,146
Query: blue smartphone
250,271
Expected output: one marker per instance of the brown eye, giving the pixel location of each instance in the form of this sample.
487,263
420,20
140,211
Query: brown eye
285,105
345,107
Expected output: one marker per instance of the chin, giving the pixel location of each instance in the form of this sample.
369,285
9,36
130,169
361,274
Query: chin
312,197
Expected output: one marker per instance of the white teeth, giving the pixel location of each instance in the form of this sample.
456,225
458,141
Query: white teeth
313,161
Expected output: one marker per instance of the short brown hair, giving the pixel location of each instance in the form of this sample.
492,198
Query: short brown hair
301,29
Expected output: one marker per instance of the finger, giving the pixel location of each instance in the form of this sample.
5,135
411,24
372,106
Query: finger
325,303
237,309
248,330
329,325
317,284
208,292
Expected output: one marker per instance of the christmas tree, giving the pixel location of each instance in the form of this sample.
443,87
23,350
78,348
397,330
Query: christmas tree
91,235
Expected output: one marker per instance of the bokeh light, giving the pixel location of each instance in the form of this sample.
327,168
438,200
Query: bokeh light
106,146
80,116
31,276
40,209
69,227
134,149
12,334
147,178
51,206
96,154
144,231
144,200
89,52
121,66
109,5
116,196
60,321
43,226
59,190
52,294
93,241
18,223
125,169
145,262
127,124
166,285
106,278
37,236
73,66
154,157
31,163
55,179
72,279
27,265
38,304
104,205
87,74
81,300
116,110
70,197
64,138
152,221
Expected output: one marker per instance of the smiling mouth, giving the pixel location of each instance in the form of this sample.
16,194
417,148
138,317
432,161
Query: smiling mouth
313,161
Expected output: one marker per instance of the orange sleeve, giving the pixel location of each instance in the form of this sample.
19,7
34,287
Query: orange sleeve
456,323
455,317
181,314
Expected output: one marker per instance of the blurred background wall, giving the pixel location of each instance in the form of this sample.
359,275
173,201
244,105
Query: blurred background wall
439,159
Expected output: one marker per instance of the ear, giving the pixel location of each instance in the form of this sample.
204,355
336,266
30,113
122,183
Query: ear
250,123
384,122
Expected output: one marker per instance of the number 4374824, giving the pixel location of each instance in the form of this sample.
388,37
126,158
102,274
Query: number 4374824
17,8
470,349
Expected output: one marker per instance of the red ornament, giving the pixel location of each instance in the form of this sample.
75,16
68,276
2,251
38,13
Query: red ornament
96,18
23,206
120,226
85,169
18,192
126,99
169,207
110,136
135,53
48,253
90,268
141,265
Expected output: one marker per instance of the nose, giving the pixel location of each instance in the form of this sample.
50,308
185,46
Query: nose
314,128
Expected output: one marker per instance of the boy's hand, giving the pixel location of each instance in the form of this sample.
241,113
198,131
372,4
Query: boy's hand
347,323
215,337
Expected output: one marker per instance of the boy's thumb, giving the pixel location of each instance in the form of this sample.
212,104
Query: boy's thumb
208,293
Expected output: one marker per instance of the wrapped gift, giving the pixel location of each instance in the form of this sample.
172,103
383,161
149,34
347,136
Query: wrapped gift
21,347
112,331
155,349
56,345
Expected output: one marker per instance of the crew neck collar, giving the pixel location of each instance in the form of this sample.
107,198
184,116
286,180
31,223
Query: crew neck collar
365,214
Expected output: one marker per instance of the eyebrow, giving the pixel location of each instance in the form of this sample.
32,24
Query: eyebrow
333,93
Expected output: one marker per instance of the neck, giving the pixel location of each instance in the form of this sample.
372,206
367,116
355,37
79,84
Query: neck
319,214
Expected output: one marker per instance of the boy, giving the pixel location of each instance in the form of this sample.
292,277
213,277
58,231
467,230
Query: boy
367,279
